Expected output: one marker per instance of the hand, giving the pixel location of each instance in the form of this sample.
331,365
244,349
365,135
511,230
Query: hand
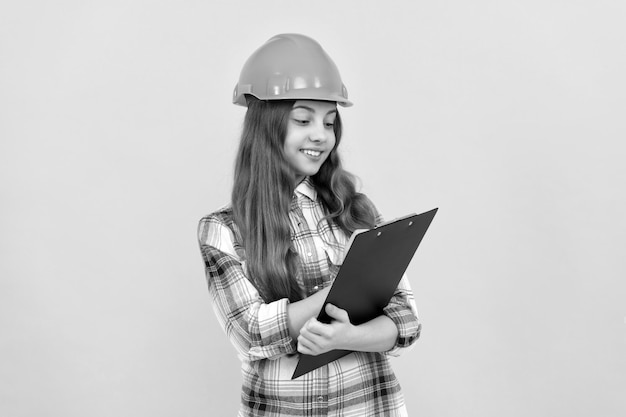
317,338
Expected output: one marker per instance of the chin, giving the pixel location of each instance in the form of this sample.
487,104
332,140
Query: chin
308,173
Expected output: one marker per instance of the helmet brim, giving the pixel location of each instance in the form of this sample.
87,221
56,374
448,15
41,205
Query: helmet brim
296,95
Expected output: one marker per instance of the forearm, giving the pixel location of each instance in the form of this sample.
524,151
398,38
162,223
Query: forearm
402,311
377,335
299,312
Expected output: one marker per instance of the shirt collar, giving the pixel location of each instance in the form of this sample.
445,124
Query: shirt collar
306,188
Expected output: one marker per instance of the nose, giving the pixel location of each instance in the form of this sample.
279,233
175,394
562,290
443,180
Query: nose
319,133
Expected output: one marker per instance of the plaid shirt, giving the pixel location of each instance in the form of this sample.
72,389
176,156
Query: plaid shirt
359,384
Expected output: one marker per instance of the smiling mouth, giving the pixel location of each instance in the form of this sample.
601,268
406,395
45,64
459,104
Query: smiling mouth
311,152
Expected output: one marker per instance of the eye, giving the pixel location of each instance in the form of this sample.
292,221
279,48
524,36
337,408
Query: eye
301,122
329,124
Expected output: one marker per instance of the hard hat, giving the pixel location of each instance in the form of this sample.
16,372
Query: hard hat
290,67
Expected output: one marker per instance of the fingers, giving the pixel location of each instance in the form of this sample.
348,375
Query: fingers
314,327
313,338
337,314
307,347
316,338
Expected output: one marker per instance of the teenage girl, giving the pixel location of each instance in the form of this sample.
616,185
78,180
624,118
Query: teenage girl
272,254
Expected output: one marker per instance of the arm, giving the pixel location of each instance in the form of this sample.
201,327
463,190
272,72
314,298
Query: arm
377,335
392,332
258,330
300,312
403,312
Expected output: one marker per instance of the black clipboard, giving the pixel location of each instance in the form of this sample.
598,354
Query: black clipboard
371,271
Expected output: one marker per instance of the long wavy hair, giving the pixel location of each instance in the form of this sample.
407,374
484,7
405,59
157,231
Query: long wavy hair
263,188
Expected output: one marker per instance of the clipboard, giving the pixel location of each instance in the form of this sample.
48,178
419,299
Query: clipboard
374,264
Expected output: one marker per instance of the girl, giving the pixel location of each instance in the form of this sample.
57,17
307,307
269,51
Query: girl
272,254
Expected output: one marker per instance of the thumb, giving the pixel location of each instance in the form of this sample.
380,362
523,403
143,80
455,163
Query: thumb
336,313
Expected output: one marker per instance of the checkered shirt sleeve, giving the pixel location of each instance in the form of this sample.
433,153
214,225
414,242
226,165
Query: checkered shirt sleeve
403,312
258,330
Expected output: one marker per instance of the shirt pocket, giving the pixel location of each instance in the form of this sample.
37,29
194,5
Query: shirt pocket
334,255
336,248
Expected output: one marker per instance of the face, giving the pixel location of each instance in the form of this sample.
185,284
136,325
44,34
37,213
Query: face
310,136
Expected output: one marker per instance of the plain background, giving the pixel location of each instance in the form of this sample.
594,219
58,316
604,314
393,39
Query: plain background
117,135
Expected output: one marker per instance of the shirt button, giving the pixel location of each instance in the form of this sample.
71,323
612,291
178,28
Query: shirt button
320,398
309,254
316,288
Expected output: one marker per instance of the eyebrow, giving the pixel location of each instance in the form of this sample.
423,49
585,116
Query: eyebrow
312,110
